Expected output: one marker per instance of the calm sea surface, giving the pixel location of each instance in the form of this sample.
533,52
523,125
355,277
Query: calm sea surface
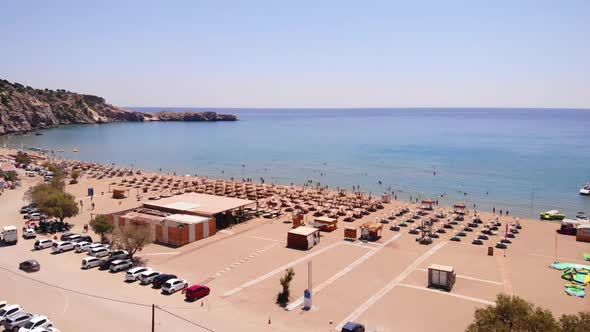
521,160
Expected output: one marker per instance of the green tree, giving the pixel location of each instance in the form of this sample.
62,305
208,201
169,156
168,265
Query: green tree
53,201
575,323
132,238
22,158
75,174
285,294
101,225
512,313
10,176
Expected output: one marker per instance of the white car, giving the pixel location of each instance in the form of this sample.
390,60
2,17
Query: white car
119,254
120,265
30,173
45,329
134,273
90,262
62,246
9,310
3,304
29,233
94,246
100,252
43,244
82,245
34,216
74,237
36,322
174,285
146,278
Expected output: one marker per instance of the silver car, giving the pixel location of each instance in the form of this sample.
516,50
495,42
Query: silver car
16,321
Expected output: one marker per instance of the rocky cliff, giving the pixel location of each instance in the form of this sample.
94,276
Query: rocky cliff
23,108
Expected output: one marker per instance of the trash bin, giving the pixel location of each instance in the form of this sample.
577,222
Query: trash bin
490,251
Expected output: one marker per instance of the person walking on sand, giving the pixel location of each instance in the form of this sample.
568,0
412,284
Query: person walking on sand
92,205
500,212
81,204
494,210
506,213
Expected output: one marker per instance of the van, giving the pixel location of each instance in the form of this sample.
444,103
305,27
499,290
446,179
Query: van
90,262
9,235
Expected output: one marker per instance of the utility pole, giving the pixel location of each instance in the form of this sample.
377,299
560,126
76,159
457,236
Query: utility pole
153,317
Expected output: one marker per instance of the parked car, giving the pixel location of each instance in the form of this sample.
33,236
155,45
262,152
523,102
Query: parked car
65,236
33,216
30,173
73,238
8,311
134,273
90,262
145,278
16,321
28,209
105,263
30,266
85,238
81,246
120,254
45,329
196,292
62,246
100,252
353,327
43,244
94,246
3,304
158,281
29,233
120,265
174,285
36,322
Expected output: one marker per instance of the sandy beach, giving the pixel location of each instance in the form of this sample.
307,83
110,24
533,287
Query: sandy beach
381,284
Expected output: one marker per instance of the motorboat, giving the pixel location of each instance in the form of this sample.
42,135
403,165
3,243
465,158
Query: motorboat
585,190
581,216
552,215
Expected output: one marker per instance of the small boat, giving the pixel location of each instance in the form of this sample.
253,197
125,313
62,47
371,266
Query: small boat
74,150
38,134
585,190
581,216
552,215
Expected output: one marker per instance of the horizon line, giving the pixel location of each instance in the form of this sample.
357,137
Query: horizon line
369,108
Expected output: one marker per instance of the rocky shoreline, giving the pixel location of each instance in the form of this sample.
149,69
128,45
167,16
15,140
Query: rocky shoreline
24,109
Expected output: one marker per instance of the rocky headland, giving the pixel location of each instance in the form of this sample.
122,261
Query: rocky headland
23,109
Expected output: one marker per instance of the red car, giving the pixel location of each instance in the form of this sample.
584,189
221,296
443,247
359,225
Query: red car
196,292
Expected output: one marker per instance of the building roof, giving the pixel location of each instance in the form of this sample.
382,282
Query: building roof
200,204
186,219
441,267
304,230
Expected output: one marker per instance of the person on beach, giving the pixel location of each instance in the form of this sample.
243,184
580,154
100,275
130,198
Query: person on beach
92,205
500,212
506,213
494,210
81,204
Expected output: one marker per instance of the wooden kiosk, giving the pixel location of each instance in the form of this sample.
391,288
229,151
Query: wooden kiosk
326,224
350,233
371,231
460,208
427,204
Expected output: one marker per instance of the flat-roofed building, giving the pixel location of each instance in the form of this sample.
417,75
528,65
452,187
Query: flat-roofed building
181,219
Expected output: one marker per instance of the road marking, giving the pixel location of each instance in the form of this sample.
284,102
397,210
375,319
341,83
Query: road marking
504,274
343,272
383,291
225,231
469,278
474,299
263,238
280,269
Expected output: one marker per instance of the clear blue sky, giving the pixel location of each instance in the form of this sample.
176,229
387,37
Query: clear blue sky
303,53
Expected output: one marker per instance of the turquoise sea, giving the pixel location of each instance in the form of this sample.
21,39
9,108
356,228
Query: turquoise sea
521,160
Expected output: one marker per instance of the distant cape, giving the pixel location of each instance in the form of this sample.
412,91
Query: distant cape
23,109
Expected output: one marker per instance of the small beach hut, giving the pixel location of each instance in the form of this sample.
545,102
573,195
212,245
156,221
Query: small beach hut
386,198
583,232
460,208
303,238
119,193
350,233
427,204
371,231
326,224
441,276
